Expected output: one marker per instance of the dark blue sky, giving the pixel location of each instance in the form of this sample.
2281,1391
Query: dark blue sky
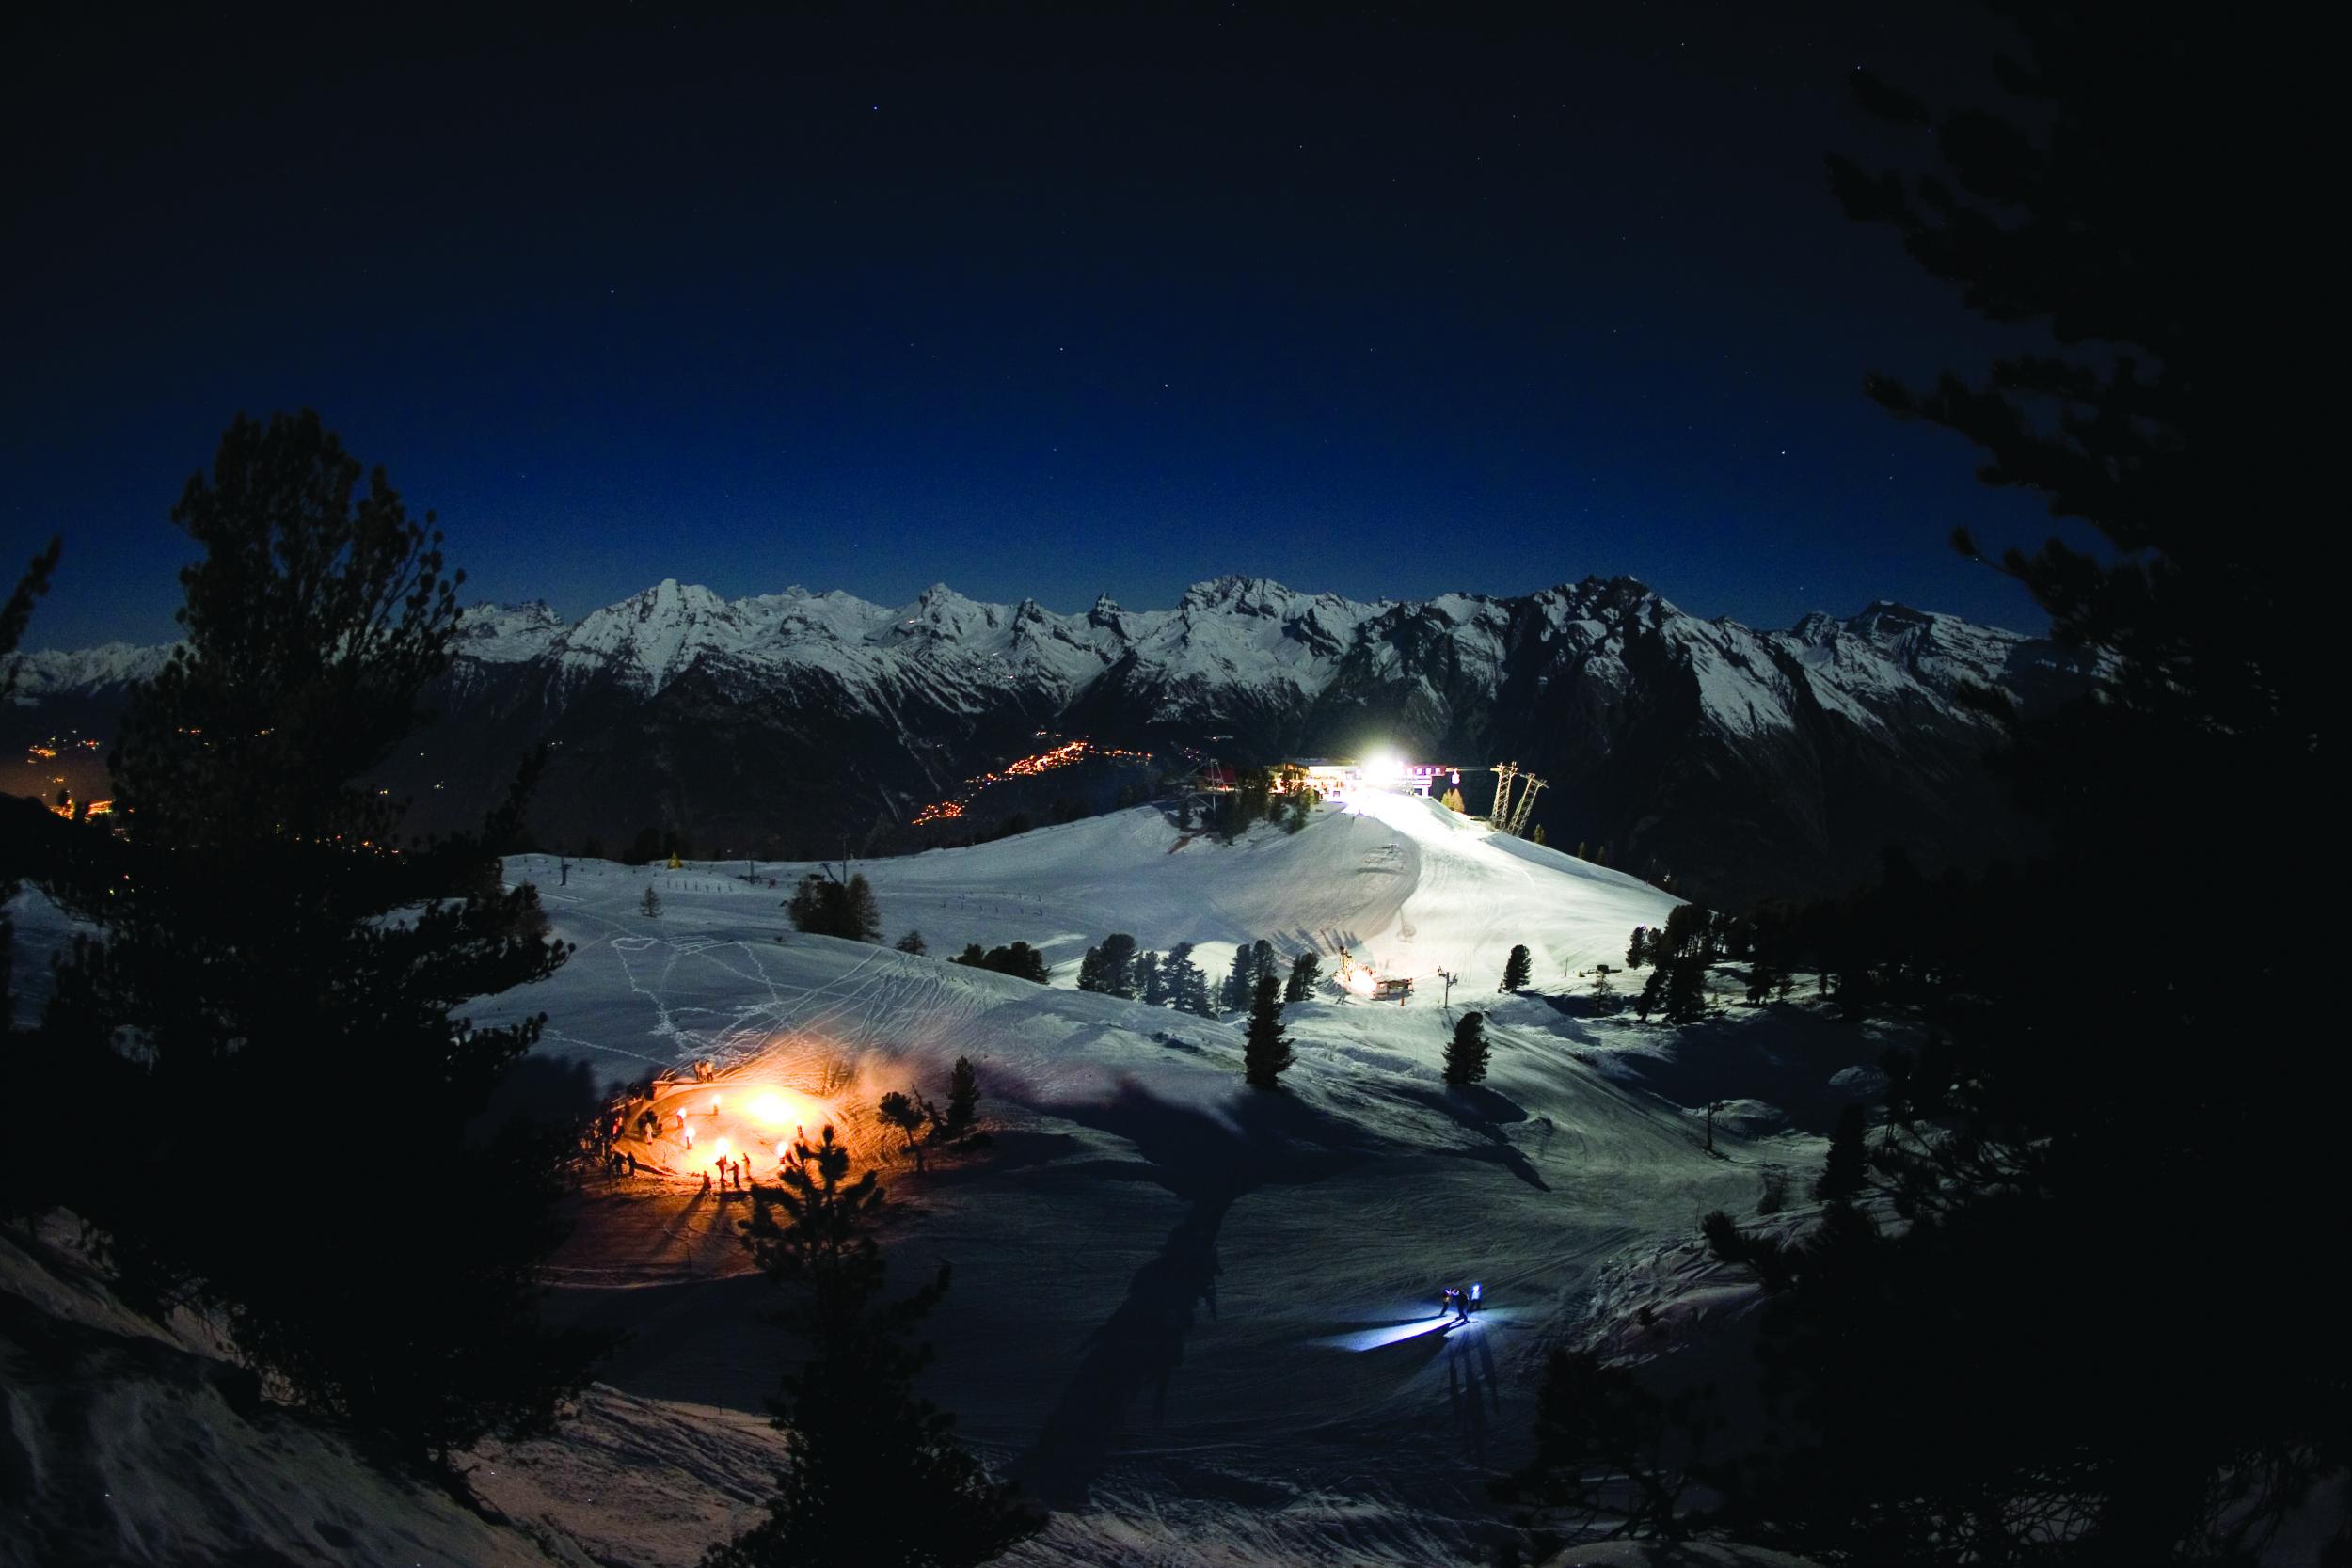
1049,305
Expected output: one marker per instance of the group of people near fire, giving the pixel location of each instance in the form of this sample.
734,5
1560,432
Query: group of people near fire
634,1114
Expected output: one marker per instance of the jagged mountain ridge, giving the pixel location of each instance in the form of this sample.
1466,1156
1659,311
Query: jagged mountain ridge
1750,762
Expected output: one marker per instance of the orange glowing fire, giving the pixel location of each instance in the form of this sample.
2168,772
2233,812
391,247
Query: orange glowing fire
771,1108
698,1133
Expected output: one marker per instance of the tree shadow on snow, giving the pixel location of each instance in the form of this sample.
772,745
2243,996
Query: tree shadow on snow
1015,1149
1208,1162
1484,1112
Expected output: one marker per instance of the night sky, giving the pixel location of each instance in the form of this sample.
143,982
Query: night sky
1051,306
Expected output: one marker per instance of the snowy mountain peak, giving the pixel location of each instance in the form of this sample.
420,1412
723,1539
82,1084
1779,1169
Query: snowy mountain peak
1603,688
1248,595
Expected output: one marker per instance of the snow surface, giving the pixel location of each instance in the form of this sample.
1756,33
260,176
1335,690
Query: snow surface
1198,1322
125,1442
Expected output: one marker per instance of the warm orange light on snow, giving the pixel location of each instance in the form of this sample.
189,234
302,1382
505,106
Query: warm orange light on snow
776,1109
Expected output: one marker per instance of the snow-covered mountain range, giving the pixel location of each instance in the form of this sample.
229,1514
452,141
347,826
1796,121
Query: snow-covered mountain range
1749,762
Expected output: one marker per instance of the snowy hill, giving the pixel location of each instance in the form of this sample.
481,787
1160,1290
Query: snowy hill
1197,1320
1748,762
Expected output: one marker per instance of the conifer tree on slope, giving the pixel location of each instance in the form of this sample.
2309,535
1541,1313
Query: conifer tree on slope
1517,968
1239,980
1465,1052
964,1100
1119,964
275,960
1187,986
1152,985
1266,1055
1685,989
873,1473
1304,969
861,917
1843,1173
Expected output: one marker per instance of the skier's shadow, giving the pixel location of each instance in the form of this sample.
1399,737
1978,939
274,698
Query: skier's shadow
1470,1390
1143,1343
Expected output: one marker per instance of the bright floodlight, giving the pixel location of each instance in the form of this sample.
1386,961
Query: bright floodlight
1383,767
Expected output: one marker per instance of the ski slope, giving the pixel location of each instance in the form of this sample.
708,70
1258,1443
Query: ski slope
1183,1311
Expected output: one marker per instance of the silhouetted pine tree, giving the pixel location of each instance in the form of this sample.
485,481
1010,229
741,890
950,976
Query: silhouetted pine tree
1267,1053
873,1473
1119,964
1152,988
1239,980
806,907
861,917
1637,949
2030,1150
1844,1175
279,963
1686,989
912,942
1465,1052
964,1100
910,1114
1246,805
1653,997
1304,969
1187,986
1517,968
650,905
1018,960
829,906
